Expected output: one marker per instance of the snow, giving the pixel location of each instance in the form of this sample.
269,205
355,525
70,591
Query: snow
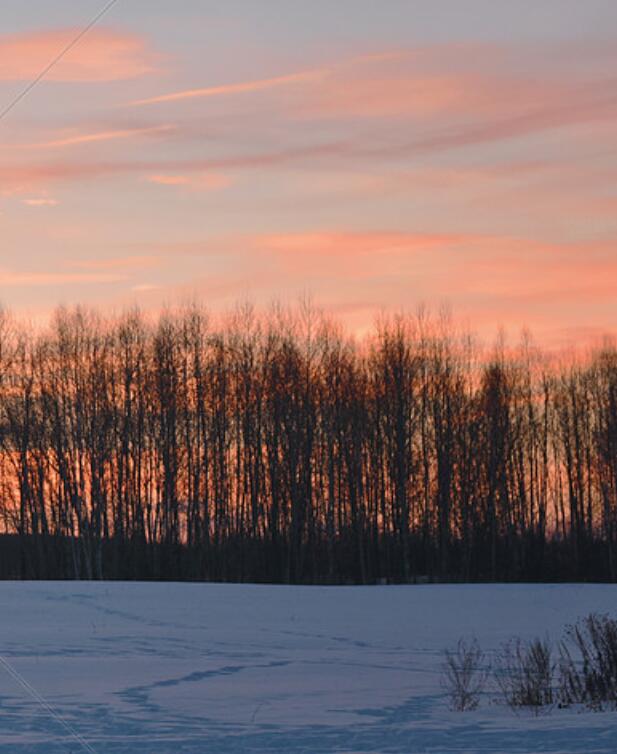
133,667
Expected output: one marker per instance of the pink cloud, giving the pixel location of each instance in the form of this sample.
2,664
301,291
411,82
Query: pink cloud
131,262
315,76
34,173
50,279
169,180
196,182
107,56
242,87
465,80
492,279
77,139
387,86
559,290
460,95
355,254
40,202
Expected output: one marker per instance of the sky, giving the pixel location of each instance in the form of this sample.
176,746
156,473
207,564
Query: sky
373,155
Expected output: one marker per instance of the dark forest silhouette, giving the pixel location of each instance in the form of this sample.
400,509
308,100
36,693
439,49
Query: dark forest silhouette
275,448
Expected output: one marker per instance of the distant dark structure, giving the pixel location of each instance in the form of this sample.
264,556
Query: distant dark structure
276,449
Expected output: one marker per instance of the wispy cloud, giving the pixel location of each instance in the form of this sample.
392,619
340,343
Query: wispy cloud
489,280
108,56
242,87
48,279
32,173
312,76
196,182
40,202
169,180
460,95
77,139
471,269
355,247
130,262
563,107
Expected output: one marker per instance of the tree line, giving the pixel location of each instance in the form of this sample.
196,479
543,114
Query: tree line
277,448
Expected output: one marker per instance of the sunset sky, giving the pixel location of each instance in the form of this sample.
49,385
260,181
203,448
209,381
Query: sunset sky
374,154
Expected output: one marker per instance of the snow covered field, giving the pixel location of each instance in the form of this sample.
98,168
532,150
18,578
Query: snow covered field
234,668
